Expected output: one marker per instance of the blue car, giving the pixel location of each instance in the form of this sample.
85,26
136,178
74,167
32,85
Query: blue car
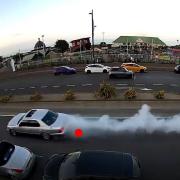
64,70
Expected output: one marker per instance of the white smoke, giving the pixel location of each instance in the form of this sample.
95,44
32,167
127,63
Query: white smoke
142,121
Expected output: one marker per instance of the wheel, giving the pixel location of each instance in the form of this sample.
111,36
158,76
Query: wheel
142,70
12,132
46,136
88,71
104,71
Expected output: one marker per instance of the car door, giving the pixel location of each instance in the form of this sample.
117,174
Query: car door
99,69
136,68
130,67
29,127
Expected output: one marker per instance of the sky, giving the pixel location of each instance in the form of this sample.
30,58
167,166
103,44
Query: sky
23,21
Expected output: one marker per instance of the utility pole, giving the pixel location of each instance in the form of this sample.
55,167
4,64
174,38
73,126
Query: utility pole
92,19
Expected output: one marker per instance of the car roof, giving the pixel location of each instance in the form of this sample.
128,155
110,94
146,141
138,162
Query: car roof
128,63
37,114
95,64
105,163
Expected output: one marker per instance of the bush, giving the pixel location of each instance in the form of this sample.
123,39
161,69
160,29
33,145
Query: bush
5,99
36,97
106,91
160,94
69,95
130,94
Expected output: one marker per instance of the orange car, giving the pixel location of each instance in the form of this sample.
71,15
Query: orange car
134,67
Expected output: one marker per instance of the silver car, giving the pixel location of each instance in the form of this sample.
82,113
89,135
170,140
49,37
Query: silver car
15,161
37,121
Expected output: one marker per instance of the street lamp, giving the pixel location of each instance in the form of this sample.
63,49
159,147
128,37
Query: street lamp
43,45
92,15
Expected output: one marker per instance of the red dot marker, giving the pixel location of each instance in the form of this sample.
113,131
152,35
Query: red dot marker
78,133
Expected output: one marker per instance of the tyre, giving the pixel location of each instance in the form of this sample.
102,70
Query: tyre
46,136
104,71
142,71
12,132
88,72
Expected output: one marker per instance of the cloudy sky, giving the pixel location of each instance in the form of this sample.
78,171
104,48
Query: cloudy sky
23,21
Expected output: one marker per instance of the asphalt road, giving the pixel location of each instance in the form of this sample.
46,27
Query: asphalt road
157,152
46,82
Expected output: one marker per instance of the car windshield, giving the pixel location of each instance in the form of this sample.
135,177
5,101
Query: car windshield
50,118
6,150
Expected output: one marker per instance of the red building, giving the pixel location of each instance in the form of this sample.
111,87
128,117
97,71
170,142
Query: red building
83,43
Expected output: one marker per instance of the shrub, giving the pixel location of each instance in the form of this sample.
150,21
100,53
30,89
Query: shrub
69,95
106,91
5,99
36,97
160,94
130,94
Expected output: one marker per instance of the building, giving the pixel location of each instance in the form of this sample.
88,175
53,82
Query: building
82,44
138,40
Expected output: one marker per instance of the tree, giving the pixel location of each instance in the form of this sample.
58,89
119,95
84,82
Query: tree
1,59
17,57
62,45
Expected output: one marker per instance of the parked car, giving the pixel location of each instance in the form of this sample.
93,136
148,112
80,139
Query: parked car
92,165
134,67
15,161
64,70
96,68
37,121
177,69
120,72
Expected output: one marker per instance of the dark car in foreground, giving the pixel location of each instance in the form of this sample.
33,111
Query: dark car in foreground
15,161
92,165
177,69
120,72
64,70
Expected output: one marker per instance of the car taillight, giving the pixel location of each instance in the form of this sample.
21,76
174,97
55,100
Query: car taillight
17,170
61,130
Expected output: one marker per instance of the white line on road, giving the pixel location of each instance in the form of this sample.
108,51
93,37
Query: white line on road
32,87
55,86
44,86
146,89
70,85
175,85
122,87
21,88
86,84
157,84
12,89
122,84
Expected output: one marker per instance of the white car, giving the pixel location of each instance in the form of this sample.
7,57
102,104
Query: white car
15,161
38,121
96,68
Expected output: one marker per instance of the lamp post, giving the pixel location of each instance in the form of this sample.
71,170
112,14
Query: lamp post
43,45
92,15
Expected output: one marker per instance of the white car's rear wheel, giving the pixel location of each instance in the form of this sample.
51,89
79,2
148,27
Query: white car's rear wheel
46,136
104,71
88,71
12,132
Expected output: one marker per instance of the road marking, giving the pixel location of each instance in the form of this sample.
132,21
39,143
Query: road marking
146,89
175,85
86,84
122,84
21,88
12,89
139,84
122,87
157,84
44,86
55,86
70,85
32,87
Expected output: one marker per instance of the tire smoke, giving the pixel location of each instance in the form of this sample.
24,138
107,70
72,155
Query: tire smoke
143,121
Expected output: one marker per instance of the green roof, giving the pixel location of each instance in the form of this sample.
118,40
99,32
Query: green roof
139,39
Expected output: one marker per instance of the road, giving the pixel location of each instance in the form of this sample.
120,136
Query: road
46,82
158,152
